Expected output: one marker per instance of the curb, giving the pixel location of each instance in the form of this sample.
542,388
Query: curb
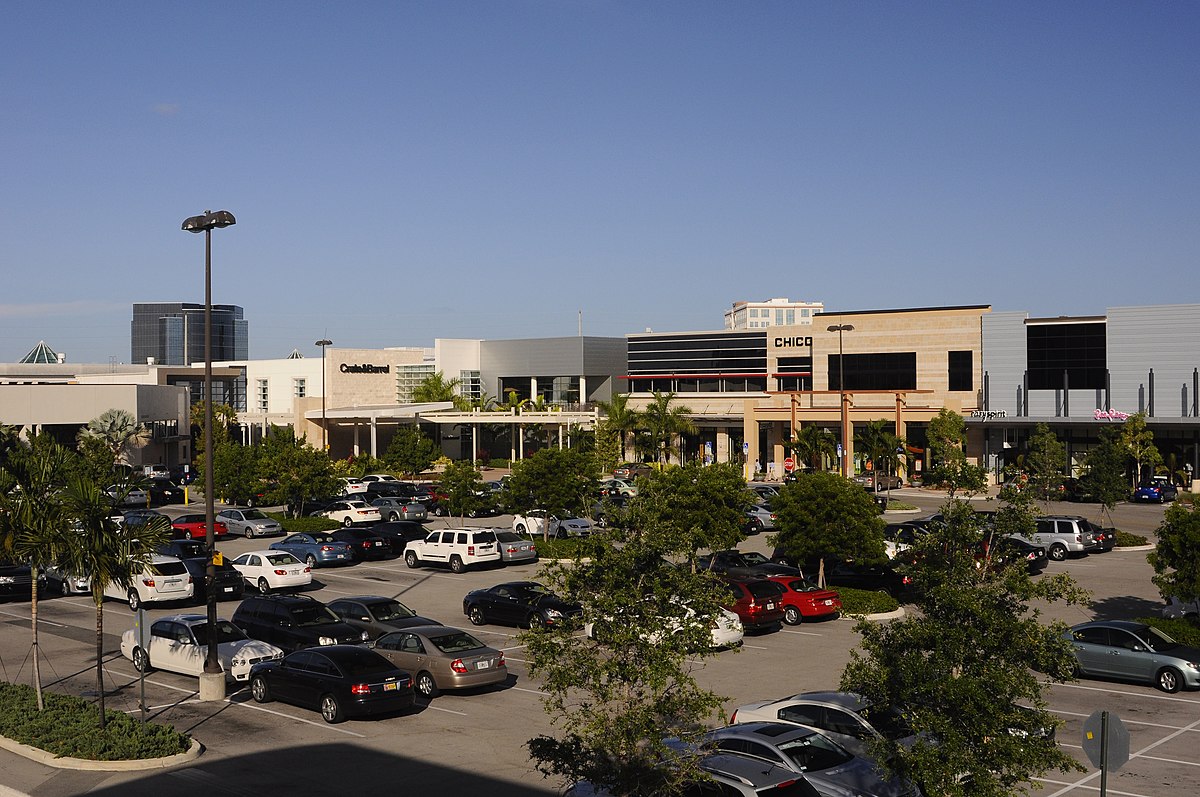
63,762
896,615
1136,548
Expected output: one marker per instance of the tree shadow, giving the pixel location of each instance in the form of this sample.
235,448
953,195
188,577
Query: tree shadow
1126,607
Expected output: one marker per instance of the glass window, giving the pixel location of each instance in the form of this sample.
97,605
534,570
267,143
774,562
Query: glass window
805,313
961,370
876,371
791,316
1074,352
1092,636
813,716
300,387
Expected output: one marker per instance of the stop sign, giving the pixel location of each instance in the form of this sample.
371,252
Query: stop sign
789,464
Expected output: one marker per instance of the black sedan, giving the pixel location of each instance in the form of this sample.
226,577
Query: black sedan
376,614
364,543
399,533
864,575
1008,548
339,681
520,603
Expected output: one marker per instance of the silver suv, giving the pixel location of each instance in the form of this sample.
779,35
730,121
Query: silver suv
1062,535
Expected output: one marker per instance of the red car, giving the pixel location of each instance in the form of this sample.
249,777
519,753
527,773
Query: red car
191,527
803,600
757,602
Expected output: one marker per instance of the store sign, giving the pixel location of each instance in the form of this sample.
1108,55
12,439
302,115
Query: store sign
989,415
1111,415
348,368
793,342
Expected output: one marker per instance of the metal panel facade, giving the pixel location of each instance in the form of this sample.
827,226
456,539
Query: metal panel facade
1163,337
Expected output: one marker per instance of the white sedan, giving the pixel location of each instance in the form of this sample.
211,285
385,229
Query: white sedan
532,525
350,513
272,570
179,643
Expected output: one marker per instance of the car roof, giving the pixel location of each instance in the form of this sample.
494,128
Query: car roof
850,701
753,772
771,732
189,619
1125,625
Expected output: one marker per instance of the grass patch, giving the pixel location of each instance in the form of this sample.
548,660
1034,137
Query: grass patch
1127,539
297,525
859,602
70,726
901,506
1185,631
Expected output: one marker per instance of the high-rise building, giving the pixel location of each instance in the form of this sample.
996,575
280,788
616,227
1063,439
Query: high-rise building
172,333
779,312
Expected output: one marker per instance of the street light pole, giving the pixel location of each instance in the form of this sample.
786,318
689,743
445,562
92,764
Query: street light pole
845,459
323,342
212,681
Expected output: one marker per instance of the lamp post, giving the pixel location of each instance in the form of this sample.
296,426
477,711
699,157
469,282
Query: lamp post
212,680
323,342
845,459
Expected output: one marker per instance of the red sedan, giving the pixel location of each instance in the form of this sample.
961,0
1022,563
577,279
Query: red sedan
191,527
803,600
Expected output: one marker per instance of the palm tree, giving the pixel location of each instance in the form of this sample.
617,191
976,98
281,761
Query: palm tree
620,418
32,525
879,444
664,422
436,387
118,430
105,551
812,444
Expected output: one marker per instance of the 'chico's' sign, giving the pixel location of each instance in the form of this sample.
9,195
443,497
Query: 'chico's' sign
789,343
348,368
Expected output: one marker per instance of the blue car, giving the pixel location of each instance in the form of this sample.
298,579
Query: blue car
318,548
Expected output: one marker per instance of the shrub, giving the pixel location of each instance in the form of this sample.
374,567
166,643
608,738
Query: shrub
1127,539
900,505
70,726
860,602
1185,631
557,549
294,525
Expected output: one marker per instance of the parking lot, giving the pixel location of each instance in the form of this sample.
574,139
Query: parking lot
473,743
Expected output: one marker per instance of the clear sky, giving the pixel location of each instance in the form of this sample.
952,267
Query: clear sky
402,171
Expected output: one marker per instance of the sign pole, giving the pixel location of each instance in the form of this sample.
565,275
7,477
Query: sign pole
1104,754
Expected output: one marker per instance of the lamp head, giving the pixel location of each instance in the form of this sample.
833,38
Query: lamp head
209,220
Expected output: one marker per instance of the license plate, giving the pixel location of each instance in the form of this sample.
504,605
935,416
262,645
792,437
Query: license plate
294,572
391,687
341,556
170,582
378,543
770,606
829,603
482,665
229,589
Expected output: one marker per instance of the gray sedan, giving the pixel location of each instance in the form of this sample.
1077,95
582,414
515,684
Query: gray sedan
1134,652
249,523
395,508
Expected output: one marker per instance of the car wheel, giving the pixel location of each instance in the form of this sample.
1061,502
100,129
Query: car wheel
141,661
425,685
347,522
394,516
792,616
476,616
259,689
135,600
410,559
756,526
1057,552
456,564
1169,679
264,586
187,535
440,511
331,709
520,528
535,620
473,513
311,561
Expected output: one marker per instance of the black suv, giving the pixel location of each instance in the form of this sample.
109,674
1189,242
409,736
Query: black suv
293,622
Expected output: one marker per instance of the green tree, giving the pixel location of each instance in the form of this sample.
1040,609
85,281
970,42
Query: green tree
105,551
462,483
947,435
297,470
619,420
608,447
410,451
1044,462
1176,560
560,481
118,430
824,514
1138,440
964,669
812,445
235,470
876,440
616,698
96,459
666,421
33,525
693,507
1106,466
436,387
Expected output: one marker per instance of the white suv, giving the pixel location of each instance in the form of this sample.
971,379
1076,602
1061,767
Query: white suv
459,548
163,578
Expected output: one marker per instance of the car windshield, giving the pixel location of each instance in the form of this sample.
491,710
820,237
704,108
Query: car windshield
391,610
484,536
254,514
755,558
814,752
1160,641
323,538
226,632
313,615
888,721
282,559
455,642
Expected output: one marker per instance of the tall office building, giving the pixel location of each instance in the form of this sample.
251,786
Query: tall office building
778,312
173,333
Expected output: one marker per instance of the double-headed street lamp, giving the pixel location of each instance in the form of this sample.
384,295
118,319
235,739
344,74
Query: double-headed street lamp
212,681
845,459
323,342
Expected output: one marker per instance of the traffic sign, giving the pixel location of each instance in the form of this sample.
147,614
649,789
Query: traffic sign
789,464
1105,729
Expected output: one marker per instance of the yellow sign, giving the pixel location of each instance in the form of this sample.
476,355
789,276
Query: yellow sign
218,558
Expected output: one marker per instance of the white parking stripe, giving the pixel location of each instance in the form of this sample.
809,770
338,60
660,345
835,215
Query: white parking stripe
1139,695
324,573
1080,785
28,618
802,633
324,725
1139,754
1171,760
530,691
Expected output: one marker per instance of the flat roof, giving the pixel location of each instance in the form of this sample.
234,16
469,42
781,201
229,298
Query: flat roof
908,310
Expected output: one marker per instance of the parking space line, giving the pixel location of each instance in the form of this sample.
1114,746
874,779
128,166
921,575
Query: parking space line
514,647
519,661
530,691
1139,754
447,710
324,725
1171,760
28,618
376,580
1081,785
1127,721
1139,695
754,647
802,633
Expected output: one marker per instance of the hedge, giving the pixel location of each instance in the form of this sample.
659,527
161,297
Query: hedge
859,602
1127,539
296,525
1185,631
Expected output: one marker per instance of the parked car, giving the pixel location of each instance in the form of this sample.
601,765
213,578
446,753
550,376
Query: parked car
1008,547
249,523
514,549
1133,651
159,580
294,621
316,548
621,487
803,600
845,717
378,477
519,603
16,580
193,527
725,628
350,513
137,518
164,491
828,766
1062,535
458,548
352,486
765,492
272,570
744,564
757,602
127,496
227,581
884,576
376,614
397,508
399,533
364,544
879,481
610,506
1157,491
442,658
1104,539
533,523
179,643
759,517
339,681
731,775
1177,608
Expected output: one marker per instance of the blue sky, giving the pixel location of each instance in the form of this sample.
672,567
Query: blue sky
402,171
